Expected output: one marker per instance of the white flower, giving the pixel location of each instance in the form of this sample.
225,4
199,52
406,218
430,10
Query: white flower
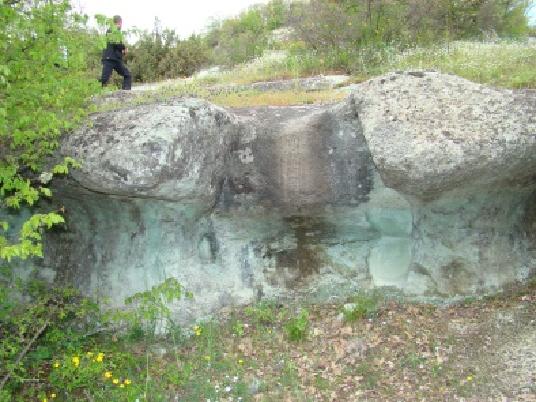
45,177
227,389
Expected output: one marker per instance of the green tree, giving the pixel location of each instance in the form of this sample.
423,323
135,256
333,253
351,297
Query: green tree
276,14
44,86
240,39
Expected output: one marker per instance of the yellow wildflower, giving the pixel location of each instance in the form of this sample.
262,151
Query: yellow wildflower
128,382
240,361
76,361
53,396
100,357
56,364
108,374
45,400
197,330
115,381
469,378
122,386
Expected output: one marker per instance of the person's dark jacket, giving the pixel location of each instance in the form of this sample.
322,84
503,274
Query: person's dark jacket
114,45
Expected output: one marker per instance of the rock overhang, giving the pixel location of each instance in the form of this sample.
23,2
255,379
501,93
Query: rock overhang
419,181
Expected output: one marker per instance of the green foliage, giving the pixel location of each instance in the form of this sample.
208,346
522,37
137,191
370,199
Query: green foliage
361,306
151,308
31,333
51,335
103,376
63,168
238,328
44,87
161,55
297,328
412,360
239,40
505,63
245,37
276,14
114,34
369,374
349,35
340,35
263,313
30,237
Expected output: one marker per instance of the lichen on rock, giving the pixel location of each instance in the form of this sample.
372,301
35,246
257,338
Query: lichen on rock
422,182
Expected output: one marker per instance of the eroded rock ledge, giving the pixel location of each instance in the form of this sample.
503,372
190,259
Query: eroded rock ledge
421,181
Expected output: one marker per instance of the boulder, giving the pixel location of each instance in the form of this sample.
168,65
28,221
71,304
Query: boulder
419,181
173,151
430,133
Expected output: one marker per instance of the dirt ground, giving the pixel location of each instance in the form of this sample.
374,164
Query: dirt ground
476,350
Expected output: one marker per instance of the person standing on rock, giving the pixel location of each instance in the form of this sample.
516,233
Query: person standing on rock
112,55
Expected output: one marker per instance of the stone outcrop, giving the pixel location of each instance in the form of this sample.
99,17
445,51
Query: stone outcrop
419,181
431,133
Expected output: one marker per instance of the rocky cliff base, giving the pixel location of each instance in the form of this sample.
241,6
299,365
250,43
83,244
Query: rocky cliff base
420,182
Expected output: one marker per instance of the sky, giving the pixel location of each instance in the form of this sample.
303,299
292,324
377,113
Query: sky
184,16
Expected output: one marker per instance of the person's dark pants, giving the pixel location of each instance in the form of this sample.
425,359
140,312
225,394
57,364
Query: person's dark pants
107,68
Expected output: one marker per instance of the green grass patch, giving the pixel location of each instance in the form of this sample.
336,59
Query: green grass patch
508,64
297,328
361,306
503,64
254,98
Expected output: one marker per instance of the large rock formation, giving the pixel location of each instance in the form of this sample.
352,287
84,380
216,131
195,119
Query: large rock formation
420,181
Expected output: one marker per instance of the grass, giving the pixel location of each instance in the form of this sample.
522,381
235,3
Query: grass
504,64
262,313
508,64
227,98
361,306
399,352
297,328
276,98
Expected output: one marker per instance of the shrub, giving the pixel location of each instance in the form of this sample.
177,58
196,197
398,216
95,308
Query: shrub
263,313
297,328
44,87
361,306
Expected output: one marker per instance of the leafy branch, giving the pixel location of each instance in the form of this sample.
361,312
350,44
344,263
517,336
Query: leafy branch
44,87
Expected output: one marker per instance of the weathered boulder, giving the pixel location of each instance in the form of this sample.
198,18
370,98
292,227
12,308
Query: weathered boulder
173,151
429,133
420,181
464,156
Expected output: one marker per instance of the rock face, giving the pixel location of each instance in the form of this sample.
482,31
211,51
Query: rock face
429,134
171,151
420,181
